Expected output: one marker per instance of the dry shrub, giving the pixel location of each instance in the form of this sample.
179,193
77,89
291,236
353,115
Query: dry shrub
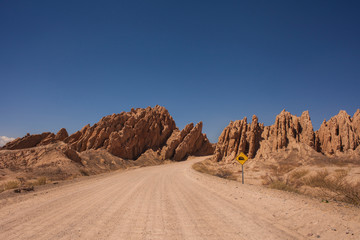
337,161
10,185
280,183
278,171
39,181
299,174
84,172
208,168
203,167
335,187
224,173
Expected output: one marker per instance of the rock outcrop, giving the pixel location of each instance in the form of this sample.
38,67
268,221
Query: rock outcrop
61,135
28,141
194,143
239,136
288,128
34,140
128,135
339,134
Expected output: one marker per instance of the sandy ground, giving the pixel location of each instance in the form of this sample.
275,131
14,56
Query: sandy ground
172,202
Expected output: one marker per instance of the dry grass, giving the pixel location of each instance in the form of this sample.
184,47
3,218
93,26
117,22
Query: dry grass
282,178
335,187
10,185
335,161
288,184
41,181
38,182
84,172
207,167
224,173
299,174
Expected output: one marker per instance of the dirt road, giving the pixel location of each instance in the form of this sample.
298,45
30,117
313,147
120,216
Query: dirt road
173,202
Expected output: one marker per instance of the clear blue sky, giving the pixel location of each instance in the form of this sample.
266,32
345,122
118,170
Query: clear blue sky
68,63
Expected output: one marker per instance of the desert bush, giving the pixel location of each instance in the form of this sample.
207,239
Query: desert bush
299,174
208,168
281,169
224,173
203,168
280,183
40,181
335,187
84,172
11,185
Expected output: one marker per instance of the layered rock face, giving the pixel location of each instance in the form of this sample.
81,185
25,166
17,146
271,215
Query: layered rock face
339,134
288,128
128,135
35,140
238,137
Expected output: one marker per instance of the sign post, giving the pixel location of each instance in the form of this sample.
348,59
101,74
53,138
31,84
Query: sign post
242,158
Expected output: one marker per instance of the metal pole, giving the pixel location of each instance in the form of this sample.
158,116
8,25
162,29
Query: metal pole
242,171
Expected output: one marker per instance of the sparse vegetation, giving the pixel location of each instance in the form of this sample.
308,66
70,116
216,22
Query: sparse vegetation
84,172
299,174
206,167
335,187
203,167
332,186
10,185
288,184
224,173
41,181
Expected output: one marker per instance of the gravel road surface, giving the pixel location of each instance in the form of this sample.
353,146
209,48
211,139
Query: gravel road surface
172,201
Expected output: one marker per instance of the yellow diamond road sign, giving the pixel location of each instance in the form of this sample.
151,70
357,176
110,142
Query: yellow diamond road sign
242,158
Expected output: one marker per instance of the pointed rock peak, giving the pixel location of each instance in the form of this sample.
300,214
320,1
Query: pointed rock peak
343,113
357,113
284,113
62,134
199,124
306,114
254,119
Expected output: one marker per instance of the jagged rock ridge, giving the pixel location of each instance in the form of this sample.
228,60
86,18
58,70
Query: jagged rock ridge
128,135
339,134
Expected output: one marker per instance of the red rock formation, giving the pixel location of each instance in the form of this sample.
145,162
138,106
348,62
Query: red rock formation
174,141
28,141
35,140
339,134
239,136
242,137
128,135
61,135
289,127
193,143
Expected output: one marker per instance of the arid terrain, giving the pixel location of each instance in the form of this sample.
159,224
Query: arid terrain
102,183
172,201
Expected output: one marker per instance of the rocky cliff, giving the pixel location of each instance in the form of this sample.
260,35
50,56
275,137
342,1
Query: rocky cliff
340,134
29,141
128,135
